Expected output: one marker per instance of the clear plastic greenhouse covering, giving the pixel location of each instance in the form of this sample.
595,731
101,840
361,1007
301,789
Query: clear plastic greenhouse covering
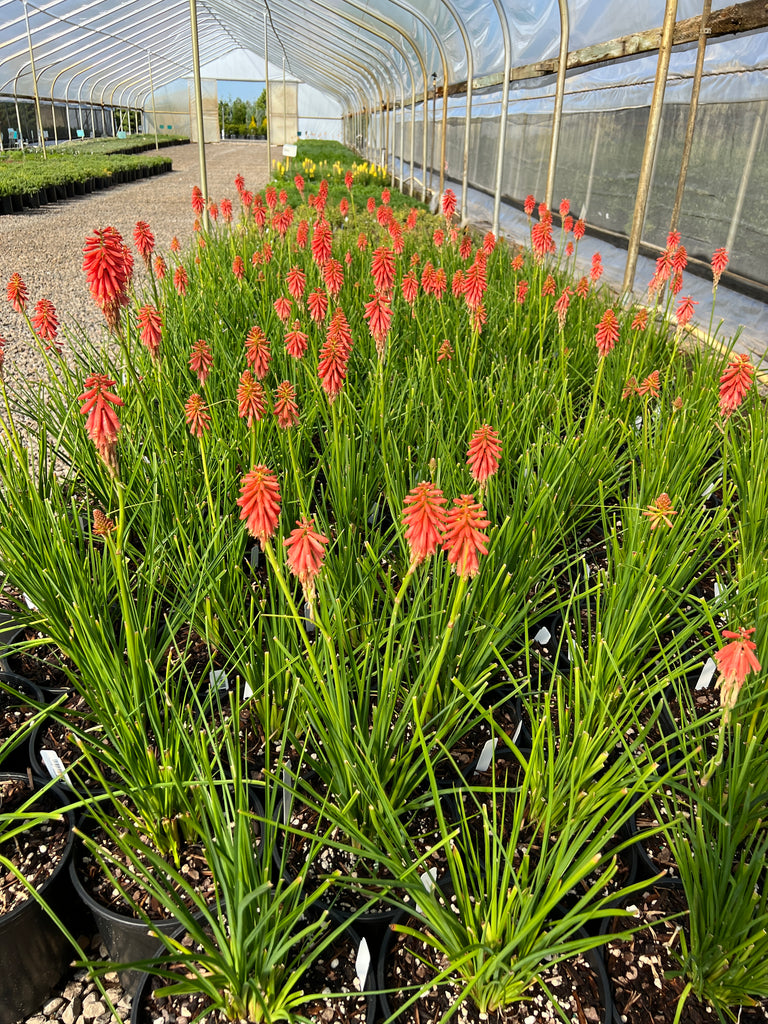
376,73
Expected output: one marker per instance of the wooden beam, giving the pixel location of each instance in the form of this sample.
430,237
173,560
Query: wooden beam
743,17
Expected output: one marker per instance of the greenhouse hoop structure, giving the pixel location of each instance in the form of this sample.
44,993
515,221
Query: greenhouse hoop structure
650,117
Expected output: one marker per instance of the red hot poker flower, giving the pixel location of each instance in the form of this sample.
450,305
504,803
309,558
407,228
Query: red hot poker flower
640,321
144,241
383,269
529,205
161,267
597,267
103,424
650,386
17,293
445,352
150,329
283,308
201,360
102,524
238,268
607,333
378,313
180,280
561,307
735,383
317,301
296,280
321,242
45,321
719,263
660,510
197,416
306,551
250,399
410,287
296,341
286,409
483,454
684,310
259,502
226,210
475,282
198,201
105,267
257,351
333,275
424,520
734,662
449,203
464,538
332,367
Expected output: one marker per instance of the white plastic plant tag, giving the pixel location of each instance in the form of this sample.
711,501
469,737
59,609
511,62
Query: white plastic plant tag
54,766
486,755
428,879
362,962
543,636
706,674
707,491
638,424
247,692
286,793
218,679
253,556
28,603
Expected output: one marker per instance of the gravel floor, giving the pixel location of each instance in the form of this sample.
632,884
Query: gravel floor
45,246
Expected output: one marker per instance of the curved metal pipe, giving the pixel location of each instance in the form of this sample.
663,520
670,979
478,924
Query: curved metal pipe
504,112
562,67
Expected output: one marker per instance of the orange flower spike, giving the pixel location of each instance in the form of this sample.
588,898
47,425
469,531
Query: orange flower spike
719,263
105,266
201,360
735,383
383,269
17,293
296,341
660,511
259,502
734,663
424,519
250,399
257,351
483,454
144,241
464,538
45,321
651,385
150,329
286,409
102,524
306,552
103,424
607,333
197,416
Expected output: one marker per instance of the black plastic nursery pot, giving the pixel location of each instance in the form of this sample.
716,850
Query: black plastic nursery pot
17,758
126,938
597,982
34,952
140,1013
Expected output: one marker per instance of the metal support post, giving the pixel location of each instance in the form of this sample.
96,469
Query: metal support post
651,138
199,110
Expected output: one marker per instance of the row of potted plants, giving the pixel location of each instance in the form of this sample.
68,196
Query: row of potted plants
36,181
512,638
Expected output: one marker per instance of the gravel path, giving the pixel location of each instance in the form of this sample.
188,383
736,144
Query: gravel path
45,246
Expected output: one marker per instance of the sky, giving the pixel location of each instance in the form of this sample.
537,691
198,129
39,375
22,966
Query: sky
239,90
